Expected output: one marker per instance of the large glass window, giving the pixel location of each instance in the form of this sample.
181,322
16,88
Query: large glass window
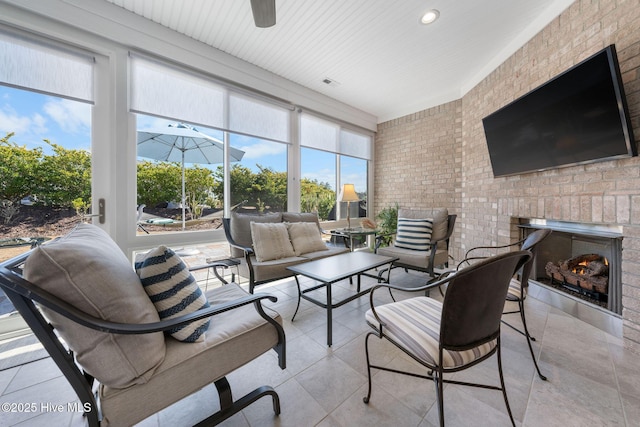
258,182
354,171
330,157
176,180
249,134
46,94
318,183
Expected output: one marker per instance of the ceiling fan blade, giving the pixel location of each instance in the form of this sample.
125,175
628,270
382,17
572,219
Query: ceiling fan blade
264,12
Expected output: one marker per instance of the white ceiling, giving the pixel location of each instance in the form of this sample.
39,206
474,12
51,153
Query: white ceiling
382,60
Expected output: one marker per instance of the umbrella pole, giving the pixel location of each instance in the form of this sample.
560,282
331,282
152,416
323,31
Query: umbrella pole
183,196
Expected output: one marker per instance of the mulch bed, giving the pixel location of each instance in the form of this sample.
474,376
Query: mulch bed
43,221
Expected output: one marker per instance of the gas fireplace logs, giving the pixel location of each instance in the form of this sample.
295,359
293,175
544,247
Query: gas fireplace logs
590,272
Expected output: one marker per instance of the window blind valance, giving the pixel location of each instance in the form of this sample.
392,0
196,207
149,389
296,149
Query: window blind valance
29,63
330,136
168,91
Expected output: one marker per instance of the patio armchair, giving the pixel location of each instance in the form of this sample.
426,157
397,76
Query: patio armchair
519,284
449,336
87,306
421,241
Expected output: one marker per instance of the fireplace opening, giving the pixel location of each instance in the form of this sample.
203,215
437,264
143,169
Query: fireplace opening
587,275
580,260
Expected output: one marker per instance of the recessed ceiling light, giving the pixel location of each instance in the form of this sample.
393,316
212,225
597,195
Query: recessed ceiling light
429,16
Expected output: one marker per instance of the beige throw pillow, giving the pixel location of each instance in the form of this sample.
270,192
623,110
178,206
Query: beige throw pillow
271,241
89,271
305,237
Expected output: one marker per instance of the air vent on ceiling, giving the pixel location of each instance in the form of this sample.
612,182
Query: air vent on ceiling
330,82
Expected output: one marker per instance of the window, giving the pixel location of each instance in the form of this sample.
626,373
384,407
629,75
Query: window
45,146
354,171
258,182
332,155
318,183
251,133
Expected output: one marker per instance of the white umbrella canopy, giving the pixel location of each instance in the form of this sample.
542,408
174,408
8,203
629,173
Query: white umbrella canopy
184,144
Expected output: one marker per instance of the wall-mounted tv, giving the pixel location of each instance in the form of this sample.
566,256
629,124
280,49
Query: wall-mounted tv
580,116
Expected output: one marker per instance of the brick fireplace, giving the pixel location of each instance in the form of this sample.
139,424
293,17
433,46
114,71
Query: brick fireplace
438,156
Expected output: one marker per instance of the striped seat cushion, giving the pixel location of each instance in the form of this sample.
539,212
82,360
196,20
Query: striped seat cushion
173,290
515,290
415,325
414,233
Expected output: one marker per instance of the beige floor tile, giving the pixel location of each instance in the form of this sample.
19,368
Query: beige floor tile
330,381
383,410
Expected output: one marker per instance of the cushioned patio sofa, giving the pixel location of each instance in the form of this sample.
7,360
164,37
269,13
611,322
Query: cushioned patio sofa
269,243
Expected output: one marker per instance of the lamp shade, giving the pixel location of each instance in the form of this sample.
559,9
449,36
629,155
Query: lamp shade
348,193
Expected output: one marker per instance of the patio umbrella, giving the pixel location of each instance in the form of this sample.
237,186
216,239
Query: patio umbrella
185,144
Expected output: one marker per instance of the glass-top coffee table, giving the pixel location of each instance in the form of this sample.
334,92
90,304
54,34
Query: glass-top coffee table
334,269
351,234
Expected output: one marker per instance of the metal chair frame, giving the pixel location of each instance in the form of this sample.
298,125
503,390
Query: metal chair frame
529,243
458,337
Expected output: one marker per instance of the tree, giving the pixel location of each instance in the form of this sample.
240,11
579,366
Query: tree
269,190
19,170
158,182
242,180
317,197
64,177
199,182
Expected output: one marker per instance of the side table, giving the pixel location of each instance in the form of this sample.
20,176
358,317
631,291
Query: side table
348,234
214,264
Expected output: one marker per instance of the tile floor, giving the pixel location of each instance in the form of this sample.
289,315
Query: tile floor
593,380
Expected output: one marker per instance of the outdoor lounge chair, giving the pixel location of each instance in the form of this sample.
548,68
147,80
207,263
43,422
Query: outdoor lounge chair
111,347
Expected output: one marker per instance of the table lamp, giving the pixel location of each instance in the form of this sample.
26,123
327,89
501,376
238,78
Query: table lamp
348,194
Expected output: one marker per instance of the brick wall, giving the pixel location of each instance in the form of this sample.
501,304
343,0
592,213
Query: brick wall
413,152
419,158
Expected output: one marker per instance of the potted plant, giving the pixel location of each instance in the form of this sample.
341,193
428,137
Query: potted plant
387,224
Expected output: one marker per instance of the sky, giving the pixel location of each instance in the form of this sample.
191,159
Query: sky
34,117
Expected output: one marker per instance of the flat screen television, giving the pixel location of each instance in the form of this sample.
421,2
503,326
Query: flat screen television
580,116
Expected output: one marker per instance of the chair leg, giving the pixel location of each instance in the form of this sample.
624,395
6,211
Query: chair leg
502,386
228,407
366,351
529,339
439,383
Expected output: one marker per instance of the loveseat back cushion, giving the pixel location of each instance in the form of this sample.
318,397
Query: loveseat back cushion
305,237
440,218
88,270
173,291
271,241
241,228
301,217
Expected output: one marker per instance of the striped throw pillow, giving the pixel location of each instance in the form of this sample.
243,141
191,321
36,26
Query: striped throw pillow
173,290
414,233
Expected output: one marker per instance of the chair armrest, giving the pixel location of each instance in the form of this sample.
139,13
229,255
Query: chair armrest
226,222
215,265
468,258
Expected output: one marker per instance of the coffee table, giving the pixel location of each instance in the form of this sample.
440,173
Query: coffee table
334,269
